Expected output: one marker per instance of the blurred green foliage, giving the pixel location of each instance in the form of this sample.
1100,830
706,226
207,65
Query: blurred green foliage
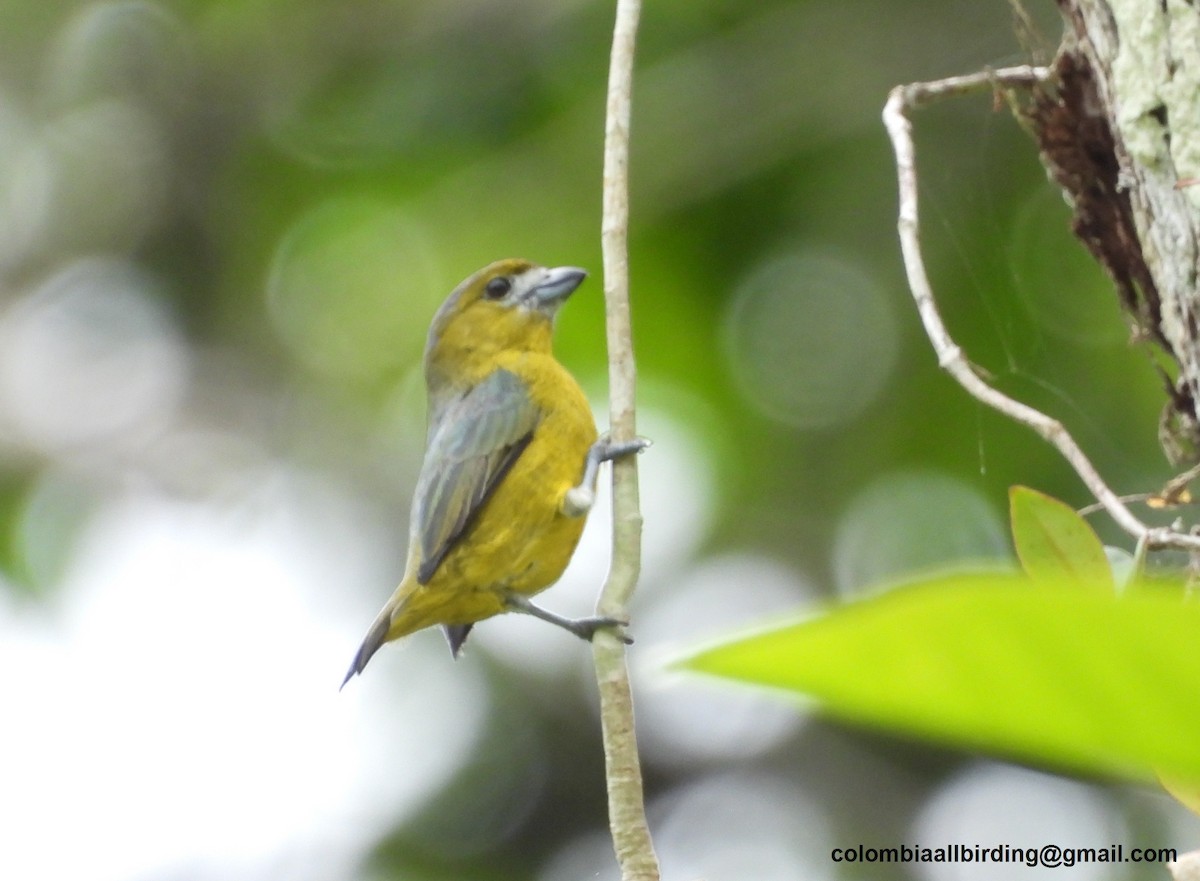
1067,674
1052,664
291,186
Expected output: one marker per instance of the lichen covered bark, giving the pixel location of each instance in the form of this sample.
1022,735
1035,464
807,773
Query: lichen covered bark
1119,131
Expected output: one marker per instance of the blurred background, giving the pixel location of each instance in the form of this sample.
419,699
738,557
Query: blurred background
224,226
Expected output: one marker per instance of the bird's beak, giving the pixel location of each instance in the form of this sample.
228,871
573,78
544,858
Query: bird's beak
554,288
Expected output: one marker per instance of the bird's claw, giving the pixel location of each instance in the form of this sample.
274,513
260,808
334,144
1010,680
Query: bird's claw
610,450
586,628
578,500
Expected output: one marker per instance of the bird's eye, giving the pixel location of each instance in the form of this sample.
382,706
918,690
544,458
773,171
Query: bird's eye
497,288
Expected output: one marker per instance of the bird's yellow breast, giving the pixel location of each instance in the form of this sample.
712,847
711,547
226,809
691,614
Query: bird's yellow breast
520,540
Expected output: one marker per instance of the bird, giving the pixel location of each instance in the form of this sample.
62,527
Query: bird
510,467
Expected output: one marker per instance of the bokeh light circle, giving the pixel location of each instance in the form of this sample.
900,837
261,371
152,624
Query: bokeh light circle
717,827
111,175
811,339
910,521
684,719
129,48
352,286
737,826
992,805
91,356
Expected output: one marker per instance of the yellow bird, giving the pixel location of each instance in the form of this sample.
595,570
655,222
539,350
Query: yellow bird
510,467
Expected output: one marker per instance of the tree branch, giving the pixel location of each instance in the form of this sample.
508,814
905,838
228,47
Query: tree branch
950,357
626,808
1119,134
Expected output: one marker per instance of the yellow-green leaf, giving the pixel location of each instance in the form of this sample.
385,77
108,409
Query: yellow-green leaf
995,662
1186,792
1053,540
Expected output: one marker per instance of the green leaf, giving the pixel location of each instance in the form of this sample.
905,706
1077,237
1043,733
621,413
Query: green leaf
1186,792
1045,672
1053,540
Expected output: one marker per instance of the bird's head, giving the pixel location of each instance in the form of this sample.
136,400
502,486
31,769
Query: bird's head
507,306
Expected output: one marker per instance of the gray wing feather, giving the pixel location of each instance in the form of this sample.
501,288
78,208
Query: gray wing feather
473,441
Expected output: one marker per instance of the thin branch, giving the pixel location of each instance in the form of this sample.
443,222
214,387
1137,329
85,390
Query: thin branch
1175,491
950,357
626,807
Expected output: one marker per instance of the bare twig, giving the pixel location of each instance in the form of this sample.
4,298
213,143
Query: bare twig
950,357
1175,491
626,808
1096,507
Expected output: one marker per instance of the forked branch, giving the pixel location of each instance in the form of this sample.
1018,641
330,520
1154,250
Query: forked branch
901,101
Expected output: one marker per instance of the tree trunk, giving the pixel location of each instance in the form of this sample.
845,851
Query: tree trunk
1118,128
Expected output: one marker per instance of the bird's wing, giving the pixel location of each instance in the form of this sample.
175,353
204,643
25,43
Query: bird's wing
473,441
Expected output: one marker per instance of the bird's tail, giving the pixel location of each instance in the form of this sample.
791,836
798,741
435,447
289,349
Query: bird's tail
376,637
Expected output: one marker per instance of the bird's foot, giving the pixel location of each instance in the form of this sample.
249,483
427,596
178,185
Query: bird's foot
578,500
584,628
610,450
